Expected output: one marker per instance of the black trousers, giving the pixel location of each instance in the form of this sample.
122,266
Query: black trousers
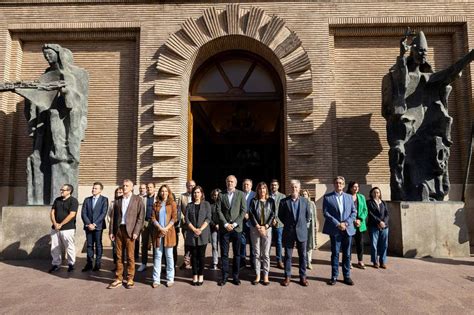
225,239
197,259
359,242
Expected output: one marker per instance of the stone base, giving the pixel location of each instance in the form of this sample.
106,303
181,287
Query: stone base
436,229
25,232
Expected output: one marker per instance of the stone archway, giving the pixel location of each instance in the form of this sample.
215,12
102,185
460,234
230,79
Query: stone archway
175,64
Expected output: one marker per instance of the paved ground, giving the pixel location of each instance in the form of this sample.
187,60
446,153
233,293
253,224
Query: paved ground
408,286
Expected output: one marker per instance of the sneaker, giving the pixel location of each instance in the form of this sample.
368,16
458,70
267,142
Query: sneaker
130,284
70,268
214,267
155,285
310,267
169,284
141,268
117,283
53,268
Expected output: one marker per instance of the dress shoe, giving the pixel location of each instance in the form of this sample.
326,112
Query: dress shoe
130,284
348,281
360,265
265,283
236,281
70,268
383,266
117,283
53,268
280,265
87,267
141,268
200,283
332,281
376,266
304,282
222,282
285,282
96,267
255,282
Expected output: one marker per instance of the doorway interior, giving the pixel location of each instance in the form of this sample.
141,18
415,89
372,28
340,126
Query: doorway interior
236,121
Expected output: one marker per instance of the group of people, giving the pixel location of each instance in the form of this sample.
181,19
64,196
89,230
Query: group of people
230,218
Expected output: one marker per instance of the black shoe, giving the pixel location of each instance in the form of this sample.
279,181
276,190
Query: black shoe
87,267
200,283
54,268
236,281
194,283
222,282
96,267
332,281
348,281
70,268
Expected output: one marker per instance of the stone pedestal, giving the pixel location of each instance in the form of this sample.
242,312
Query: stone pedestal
25,232
436,229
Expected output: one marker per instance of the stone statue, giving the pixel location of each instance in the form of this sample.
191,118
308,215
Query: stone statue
56,112
415,106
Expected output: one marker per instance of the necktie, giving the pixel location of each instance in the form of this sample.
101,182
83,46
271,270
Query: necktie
94,201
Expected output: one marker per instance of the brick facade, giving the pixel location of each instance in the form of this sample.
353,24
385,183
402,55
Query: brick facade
141,55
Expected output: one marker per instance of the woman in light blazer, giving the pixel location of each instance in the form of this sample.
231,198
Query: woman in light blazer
198,234
163,217
261,214
359,223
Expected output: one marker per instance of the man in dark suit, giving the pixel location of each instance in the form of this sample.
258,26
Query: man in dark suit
340,212
295,214
126,222
231,208
94,210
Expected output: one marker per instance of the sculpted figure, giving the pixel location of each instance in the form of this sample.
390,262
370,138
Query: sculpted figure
415,106
56,112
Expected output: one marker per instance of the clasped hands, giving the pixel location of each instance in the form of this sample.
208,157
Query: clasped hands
197,231
57,226
342,226
262,230
381,225
91,227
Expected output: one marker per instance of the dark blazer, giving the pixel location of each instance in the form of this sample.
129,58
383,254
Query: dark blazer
231,213
204,215
333,216
377,214
255,212
135,216
294,230
94,215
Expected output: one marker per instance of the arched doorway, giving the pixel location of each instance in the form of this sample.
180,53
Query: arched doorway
236,120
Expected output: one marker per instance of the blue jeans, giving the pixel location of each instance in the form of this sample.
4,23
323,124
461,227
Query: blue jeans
379,244
279,243
341,242
169,263
94,238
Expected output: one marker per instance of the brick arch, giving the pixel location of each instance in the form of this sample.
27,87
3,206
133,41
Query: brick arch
176,60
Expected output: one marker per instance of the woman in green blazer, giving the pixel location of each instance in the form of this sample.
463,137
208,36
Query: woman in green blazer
360,222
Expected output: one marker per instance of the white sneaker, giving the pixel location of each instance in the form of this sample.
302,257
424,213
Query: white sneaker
141,268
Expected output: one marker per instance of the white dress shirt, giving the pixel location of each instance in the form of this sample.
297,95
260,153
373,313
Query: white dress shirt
125,203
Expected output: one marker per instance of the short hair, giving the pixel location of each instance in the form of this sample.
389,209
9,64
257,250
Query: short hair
99,184
296,182
372,190
129,181
190,181
69,187
151,183
170,194
202,193
233,176
142,184
274,181
261,184
339,177
247,180
349,186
